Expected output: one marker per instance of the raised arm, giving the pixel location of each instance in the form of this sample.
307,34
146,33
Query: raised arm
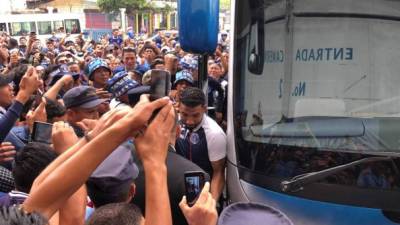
28,85
58,186
152,148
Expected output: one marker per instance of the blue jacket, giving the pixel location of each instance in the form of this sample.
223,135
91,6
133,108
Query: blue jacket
8,119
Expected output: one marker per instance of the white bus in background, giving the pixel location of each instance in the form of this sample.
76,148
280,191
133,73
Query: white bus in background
44,25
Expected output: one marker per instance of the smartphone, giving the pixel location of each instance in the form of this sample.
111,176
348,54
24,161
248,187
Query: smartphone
194,183
42,132
160,84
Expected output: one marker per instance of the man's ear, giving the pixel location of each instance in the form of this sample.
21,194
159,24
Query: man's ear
70,114
132,191
204,108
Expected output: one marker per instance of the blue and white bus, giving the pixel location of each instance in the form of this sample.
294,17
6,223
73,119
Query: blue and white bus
314,109
315,128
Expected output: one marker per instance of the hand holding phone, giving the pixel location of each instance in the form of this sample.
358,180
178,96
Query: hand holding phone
204,211
160,84
194,183
41,132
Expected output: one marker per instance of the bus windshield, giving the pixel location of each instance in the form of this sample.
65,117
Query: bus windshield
316,85
327,77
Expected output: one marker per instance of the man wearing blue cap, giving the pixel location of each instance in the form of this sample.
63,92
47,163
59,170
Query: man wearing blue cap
81,103
184,79
113,180
121,86
99,72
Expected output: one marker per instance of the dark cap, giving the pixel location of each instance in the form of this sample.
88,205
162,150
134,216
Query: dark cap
5,80
252,213
135,93
58,73
144,89
114,174
82,97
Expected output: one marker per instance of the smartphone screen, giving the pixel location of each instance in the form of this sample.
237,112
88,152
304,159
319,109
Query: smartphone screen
194,183
160,84
42,132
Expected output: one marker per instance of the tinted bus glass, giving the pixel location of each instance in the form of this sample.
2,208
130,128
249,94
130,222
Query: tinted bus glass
3,27
57,25
22,28
316,90
72,26
44,27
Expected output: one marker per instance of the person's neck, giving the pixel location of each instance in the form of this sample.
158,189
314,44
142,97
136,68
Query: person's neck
129,68
3,106
97,85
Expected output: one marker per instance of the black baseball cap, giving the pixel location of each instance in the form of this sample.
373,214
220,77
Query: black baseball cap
5,80
135,93
82,97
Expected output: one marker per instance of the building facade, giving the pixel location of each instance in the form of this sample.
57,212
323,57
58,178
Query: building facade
161,15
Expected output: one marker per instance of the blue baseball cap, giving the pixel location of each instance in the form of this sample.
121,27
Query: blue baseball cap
188,62
82,97
120,84
252,213
114,174
95,64
184,75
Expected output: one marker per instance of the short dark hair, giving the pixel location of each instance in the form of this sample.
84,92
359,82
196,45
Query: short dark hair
49,70
101,198
17,73
54,109
128,49
193,97
72,63
29,163
157,61
116,213
13,215
12,43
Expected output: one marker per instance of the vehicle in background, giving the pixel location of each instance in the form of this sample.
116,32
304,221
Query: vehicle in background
44,25
313,106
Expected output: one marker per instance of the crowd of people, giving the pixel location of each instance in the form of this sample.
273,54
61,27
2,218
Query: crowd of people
114,156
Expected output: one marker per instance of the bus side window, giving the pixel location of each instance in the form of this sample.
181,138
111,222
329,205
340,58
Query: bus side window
3,27
72,26
22,28
44,27
57,25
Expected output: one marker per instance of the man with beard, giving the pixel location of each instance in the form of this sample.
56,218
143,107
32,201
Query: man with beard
201,140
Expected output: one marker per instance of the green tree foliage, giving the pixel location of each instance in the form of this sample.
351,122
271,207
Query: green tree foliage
224,4
111,6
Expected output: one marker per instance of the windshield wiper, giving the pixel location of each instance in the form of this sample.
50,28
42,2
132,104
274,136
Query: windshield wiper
298,182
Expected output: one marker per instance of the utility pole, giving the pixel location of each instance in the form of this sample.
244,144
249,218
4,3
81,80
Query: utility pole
11,6
123,19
